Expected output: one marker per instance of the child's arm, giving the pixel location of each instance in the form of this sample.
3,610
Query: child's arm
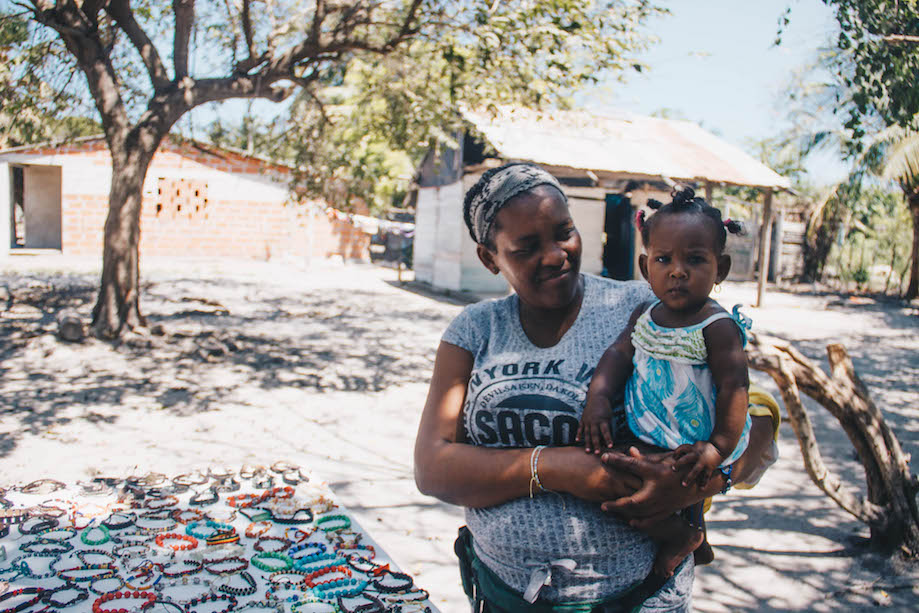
606,388
728,363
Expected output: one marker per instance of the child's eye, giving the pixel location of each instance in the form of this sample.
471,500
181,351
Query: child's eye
663,259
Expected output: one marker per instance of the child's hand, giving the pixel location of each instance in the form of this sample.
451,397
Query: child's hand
595,428
703,457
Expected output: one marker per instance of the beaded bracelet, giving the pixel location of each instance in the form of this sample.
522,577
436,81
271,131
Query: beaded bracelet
82,555
248,470
404,582
51,596
41,524
13,516
87,540
42,486
297,607
340,588
374,605
217,527
192,478
229,598
204,498
119,520
271,555
316,548
97,590
48,548
122,550
328,570
257,529
344,519
181,515
284,543
97,605
38,592
245,500
165,502
287,577
323,560
190,541
241,591
416,595
196,566
44,534
26,570
241,564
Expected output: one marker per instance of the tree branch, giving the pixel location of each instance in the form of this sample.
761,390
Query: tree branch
121,12
775,362
901,38
247,31
184,20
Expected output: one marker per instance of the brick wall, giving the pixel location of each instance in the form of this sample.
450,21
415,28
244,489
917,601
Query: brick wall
197,202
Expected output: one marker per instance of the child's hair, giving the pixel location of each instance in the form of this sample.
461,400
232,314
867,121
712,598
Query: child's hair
686,201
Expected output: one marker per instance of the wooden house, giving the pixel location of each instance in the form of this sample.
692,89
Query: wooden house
609,166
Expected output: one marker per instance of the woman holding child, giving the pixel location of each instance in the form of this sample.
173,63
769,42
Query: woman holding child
504,408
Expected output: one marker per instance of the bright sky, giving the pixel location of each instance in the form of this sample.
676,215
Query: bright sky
716,64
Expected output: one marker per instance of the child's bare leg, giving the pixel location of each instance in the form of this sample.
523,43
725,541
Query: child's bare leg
677,538
704,554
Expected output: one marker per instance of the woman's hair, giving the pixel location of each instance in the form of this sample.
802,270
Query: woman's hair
686,202
495,188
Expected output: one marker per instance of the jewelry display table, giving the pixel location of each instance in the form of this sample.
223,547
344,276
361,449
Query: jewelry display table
258,539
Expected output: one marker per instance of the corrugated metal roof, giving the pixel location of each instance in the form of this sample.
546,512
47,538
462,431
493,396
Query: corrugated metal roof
624,143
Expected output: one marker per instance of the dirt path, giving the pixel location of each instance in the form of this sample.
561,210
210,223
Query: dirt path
327,367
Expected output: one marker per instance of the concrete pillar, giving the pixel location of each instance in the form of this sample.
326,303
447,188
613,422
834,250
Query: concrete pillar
6,212
765,238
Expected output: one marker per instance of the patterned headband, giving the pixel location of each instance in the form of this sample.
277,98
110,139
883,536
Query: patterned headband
501,187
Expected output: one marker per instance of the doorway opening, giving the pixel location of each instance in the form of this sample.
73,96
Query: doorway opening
619,249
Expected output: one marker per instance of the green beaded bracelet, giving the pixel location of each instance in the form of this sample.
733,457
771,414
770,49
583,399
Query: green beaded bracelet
269,568
344,519
84,536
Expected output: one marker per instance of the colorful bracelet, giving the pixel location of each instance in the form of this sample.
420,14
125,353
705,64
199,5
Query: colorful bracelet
271,555
340,588
217,527
315,547
241,564
190,541
250,588
284,543
344,519
38,592
87,540
97,605
51,596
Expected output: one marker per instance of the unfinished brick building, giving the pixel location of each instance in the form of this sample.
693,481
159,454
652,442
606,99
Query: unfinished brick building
198,201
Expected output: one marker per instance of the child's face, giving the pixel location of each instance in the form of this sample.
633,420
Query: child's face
682,263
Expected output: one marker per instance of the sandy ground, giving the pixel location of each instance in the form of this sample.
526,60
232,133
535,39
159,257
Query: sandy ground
327,367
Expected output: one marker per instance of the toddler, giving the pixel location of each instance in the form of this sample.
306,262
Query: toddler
681,362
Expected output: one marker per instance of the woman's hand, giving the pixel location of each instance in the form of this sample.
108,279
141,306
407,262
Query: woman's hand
662,492
569,469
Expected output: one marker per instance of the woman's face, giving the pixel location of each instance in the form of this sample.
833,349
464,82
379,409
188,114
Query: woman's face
537,249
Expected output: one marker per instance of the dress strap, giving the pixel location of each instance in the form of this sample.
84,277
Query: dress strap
743,322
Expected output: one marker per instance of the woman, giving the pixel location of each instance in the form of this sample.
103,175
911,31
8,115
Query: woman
509,378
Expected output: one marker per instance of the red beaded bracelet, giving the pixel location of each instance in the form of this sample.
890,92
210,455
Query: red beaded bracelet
190,541
308,579
97,606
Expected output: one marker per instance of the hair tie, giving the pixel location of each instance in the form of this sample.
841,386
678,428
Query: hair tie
640,219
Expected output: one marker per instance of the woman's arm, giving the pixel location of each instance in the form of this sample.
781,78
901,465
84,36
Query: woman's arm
472,476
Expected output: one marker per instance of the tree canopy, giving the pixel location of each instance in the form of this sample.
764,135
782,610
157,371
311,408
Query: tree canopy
145,64
881,38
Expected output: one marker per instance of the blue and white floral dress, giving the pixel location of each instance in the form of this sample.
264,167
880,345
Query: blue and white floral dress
670,397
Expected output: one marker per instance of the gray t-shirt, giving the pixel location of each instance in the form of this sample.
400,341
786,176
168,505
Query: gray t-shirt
521,395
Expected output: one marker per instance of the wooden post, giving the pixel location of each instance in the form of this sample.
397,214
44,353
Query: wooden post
765,237
708,192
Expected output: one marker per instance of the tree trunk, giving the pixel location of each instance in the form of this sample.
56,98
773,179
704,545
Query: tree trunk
117,305
912,291
890,511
